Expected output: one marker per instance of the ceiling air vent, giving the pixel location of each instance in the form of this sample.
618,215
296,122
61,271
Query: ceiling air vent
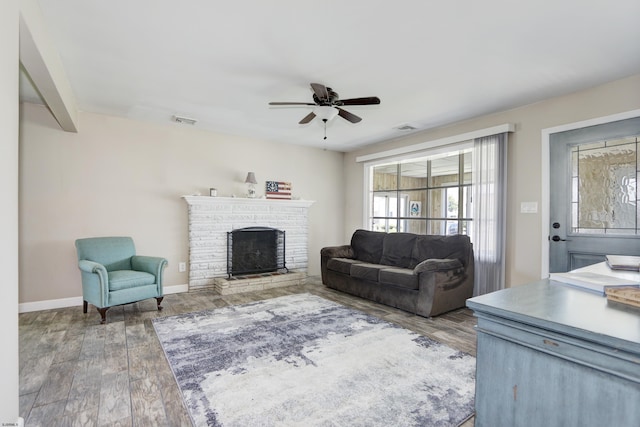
405,128
184,120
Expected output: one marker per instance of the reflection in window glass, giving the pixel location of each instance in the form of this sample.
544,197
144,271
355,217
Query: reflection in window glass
385,177
413,175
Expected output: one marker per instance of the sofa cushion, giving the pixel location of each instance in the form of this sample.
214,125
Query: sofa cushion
440,247
402,277
367,245
125,279
397,249
437,265
367,271
341,265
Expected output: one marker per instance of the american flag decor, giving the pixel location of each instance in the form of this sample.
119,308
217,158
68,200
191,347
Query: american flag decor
278,190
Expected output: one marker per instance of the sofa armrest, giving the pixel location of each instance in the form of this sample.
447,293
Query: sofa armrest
437,265
443,285
344,251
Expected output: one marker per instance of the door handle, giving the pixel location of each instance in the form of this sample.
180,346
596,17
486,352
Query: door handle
558,239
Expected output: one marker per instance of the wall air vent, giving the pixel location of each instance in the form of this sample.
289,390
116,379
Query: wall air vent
184,120
405,127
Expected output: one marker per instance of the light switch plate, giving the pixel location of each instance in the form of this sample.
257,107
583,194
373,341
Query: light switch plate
529,207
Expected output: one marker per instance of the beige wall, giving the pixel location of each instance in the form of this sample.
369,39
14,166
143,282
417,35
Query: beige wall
68,187
123,177
524,231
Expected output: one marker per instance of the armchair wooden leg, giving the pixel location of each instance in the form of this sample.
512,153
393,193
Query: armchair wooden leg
84,306
103,314
159,299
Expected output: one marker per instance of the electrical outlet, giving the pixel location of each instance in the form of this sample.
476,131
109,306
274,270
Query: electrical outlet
182,267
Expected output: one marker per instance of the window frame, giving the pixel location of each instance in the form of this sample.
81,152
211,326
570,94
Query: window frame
426,155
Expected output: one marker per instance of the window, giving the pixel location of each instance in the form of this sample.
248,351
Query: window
422,195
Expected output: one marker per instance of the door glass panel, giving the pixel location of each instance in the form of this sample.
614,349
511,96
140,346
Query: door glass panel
604,188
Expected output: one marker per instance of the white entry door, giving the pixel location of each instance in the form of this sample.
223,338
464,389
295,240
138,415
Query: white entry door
594,194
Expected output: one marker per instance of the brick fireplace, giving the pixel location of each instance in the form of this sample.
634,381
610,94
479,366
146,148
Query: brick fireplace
211,218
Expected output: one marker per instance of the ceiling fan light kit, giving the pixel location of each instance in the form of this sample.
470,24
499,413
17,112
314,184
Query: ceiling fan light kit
325,113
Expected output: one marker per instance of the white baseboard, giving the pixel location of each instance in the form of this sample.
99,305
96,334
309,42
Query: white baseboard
176,289
27,307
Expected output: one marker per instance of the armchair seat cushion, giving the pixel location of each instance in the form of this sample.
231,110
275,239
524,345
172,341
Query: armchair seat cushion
125,279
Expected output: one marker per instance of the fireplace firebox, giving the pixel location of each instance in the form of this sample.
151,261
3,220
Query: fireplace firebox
254,250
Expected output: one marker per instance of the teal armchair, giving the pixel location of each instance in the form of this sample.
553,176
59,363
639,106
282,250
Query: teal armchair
112,273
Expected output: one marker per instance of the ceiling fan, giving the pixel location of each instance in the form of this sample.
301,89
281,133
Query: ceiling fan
327,105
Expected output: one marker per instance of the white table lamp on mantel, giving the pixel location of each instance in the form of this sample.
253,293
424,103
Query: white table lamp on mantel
251,185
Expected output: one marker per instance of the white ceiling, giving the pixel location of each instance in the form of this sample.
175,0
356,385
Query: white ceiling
431,62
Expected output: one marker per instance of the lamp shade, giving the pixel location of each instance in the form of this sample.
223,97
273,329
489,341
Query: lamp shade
251,178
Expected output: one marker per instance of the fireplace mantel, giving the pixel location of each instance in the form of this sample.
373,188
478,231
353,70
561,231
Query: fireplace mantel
243,201
210,218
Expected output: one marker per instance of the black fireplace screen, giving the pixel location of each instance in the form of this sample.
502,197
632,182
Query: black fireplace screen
255,250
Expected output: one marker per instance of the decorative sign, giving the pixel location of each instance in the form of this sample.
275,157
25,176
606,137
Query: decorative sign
278,190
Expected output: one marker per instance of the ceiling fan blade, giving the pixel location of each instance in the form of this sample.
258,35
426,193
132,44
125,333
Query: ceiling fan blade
307,118
348,116
291,103
370,100
320,90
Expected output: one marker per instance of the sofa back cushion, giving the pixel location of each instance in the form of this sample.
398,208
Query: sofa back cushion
397,249
367,245
441,247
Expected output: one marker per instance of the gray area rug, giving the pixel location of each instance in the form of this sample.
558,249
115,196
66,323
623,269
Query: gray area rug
301,360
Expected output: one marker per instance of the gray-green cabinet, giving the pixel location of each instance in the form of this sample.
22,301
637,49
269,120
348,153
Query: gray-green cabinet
551,355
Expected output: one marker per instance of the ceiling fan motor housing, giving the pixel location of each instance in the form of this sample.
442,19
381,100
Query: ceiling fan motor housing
332,98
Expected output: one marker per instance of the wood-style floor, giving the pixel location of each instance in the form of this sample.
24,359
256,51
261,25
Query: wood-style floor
76,372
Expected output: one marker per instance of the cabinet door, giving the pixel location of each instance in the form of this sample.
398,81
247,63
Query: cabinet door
517,385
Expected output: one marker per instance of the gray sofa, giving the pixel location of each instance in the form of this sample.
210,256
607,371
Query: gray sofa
423,274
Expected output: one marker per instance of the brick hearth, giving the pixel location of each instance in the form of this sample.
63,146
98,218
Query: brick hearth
258,282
